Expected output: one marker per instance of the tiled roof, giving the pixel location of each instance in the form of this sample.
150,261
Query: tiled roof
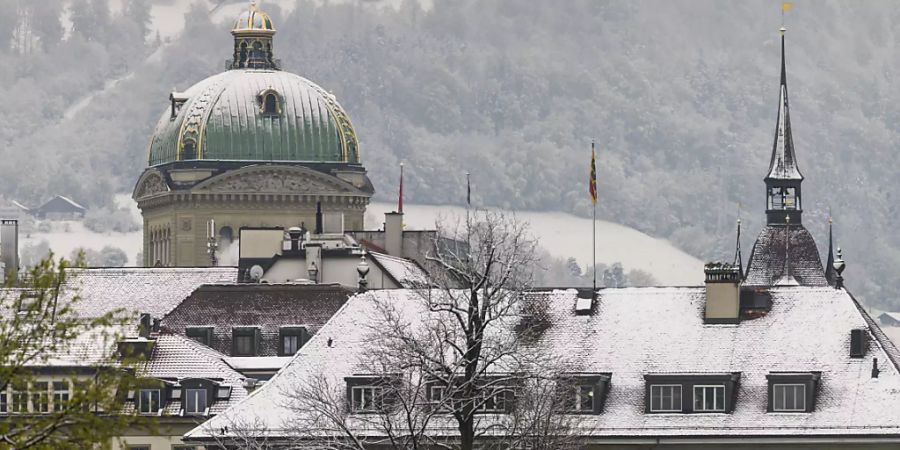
140,290
178,358
406,272
767,260
639,331
266,306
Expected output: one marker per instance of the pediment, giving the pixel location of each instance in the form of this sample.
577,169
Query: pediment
150,183
276,180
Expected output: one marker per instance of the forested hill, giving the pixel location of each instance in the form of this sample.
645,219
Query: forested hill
680,97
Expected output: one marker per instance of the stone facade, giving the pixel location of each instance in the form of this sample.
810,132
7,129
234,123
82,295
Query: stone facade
178,200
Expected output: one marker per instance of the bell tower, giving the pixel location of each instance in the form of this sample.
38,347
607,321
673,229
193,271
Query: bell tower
783,198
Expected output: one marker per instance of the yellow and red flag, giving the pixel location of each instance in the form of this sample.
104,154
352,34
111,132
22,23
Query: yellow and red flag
593,185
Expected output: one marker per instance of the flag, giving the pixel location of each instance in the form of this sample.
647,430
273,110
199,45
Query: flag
400,197
468,191
593,182
786,6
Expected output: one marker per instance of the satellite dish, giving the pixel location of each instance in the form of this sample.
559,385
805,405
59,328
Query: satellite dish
256,273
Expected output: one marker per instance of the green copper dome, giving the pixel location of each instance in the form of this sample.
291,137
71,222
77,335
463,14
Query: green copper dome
254,115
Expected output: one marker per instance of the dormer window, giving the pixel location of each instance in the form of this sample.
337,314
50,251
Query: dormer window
291,339
269,103
202,335
149,401
245,341
691,393
189,150
584,393
195,401
793,392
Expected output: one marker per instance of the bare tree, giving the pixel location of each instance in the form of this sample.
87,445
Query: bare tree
465,360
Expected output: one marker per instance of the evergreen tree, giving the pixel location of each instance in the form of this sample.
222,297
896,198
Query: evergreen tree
138,12
46,22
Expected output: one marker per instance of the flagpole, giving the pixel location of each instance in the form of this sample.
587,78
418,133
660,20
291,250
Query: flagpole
594,230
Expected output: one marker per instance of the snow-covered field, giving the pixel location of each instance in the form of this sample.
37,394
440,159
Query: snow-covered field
563,235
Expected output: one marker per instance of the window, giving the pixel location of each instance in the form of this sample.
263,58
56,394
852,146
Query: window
3,405
436,392
665,398
138,447
709,398
583,400
269,103
366,398
19,399
789,397
292,338
148,401
244,341
60,395
792,391
195,401
189,150
202,335
691,392
40,397
494,400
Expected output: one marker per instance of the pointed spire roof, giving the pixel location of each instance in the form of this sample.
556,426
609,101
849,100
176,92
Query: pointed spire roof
784,164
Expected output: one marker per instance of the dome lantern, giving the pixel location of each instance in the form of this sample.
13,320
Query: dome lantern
253,33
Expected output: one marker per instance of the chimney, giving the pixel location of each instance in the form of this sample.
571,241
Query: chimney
393,233
723,293
9,248
318,218
145,326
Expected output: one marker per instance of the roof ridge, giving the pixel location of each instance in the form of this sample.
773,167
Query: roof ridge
887,345
211,355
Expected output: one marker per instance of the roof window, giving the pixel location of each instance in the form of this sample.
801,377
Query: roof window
793,392
584,393
691,393
269,103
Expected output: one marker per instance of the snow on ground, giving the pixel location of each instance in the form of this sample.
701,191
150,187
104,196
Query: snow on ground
565,235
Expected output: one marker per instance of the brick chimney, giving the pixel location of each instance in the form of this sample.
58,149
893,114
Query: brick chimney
723,293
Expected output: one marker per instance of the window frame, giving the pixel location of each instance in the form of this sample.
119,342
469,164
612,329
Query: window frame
40,399
571,386
187,396
810,382
4,401
200,334
688,382
703,388
140,401
661,386
297,332
244,332
794,386
380,384
18,399
60,397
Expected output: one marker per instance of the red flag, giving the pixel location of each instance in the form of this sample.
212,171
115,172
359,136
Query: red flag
593,182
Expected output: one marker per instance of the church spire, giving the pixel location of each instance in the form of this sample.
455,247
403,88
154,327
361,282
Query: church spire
784,178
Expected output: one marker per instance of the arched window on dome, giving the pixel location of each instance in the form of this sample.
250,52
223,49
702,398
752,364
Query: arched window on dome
270,103
189,151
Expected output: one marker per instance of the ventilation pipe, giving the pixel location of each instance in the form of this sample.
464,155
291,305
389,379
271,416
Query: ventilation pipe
318,218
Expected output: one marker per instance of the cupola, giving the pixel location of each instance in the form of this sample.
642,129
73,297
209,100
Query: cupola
253,32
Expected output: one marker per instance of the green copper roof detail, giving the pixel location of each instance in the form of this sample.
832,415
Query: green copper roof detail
254,115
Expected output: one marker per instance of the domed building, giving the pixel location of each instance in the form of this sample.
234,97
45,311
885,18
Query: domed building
251,147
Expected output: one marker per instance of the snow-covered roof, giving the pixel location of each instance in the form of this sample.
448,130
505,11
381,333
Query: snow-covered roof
175,358
406,272
267,307
768,263
251,363
892,315
633,332
140,290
